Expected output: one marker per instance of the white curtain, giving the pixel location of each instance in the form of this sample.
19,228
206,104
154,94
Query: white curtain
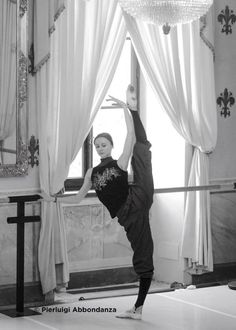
7,69
85,49
179,67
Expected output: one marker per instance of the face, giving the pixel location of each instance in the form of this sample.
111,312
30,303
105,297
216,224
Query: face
103,147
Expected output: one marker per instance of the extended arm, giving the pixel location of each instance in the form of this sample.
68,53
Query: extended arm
76,199
123,160
131,100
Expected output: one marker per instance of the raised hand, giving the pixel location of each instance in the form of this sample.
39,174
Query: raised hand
117,102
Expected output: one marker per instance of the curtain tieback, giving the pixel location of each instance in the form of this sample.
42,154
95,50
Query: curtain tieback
207,152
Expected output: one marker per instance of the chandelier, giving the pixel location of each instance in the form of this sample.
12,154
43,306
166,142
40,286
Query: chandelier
166,12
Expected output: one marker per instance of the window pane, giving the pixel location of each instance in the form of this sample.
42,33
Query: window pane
122,77
76,167
111,121
168,147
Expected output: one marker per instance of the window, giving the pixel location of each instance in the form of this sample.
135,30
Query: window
108,119
168,147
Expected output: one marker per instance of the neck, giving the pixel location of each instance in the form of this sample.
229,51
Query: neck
106,160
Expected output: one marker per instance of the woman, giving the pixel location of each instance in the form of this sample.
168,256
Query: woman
130,204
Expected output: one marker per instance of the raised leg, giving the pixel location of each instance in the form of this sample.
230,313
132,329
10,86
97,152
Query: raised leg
141,162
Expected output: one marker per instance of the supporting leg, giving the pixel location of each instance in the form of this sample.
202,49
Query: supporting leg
144,285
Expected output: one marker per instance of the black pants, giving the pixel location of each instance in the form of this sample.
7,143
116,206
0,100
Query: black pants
134,214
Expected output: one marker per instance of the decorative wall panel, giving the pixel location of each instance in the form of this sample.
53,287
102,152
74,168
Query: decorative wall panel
223,158
223,218
94,240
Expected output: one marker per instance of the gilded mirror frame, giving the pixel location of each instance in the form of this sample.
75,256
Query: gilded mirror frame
20,168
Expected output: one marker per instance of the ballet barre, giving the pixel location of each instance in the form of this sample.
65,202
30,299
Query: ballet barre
20,221
221,187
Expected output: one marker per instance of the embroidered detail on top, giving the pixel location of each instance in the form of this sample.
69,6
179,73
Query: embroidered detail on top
100,180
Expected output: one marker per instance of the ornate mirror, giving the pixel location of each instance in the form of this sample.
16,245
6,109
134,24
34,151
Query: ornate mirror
13,88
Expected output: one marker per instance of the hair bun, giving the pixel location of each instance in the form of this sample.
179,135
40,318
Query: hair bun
106,136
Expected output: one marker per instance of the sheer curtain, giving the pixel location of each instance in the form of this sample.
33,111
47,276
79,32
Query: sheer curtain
7,69
179,67
85,49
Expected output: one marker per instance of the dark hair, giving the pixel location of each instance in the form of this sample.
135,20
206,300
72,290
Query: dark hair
106,136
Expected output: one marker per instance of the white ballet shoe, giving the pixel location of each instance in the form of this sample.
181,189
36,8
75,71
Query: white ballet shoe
133,313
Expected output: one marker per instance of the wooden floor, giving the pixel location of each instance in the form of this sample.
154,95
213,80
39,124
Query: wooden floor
212,308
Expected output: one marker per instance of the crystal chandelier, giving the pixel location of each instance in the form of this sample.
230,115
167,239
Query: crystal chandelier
166,12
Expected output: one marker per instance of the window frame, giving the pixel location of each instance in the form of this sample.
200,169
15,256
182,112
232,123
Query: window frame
74,184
